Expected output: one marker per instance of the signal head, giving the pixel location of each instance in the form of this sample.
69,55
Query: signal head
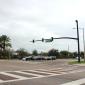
42,39
52,38
33,41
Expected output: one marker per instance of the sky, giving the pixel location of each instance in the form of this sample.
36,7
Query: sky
25,20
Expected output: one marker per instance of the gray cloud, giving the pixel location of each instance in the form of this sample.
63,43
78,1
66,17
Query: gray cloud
24,20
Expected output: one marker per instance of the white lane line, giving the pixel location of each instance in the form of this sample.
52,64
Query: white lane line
19,79
48,70
77,82
16,76
41,72
36,75
75,71
51,71
1,80
13,75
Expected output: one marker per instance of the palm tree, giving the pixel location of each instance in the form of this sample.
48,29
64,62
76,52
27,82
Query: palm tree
4,42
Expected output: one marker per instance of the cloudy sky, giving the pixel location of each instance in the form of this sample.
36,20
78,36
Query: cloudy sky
24,20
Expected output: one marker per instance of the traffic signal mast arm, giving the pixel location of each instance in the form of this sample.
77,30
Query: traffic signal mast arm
37,40
50,40
64,38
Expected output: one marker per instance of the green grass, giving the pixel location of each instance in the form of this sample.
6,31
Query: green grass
76,62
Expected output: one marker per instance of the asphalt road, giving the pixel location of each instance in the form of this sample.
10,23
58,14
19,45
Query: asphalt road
57,72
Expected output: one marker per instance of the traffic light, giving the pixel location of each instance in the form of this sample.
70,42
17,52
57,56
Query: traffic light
42,39
52,38
33,41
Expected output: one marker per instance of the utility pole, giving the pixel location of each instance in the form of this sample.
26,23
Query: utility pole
78,41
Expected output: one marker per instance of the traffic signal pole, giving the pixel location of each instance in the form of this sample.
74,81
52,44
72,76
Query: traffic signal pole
78,41
50,40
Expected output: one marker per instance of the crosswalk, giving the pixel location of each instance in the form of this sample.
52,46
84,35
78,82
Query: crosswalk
10,76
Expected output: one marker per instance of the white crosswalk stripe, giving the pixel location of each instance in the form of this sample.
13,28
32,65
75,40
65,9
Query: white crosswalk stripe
1,81
30,74
12,75
37,73
41,71
76,82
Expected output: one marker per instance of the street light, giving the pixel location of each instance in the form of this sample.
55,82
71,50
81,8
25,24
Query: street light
78,41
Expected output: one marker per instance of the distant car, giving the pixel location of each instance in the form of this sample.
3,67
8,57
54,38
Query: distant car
27,58
53,57
77,57
48,58
37,58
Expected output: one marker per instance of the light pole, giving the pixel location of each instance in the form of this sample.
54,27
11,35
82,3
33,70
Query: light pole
78,41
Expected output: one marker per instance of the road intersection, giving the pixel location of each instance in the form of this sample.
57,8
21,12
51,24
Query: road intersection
54,75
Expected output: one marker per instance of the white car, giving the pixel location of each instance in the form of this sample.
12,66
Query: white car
77,57
27,58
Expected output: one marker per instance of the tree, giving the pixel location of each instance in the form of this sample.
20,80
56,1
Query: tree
82,54
4,42
44,53
35,53
64,54
75,54
53,52
70,55
22,53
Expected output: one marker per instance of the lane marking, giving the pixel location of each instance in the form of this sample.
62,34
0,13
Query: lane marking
41,72
12,75
1,80
18,77
76,82
52,71
37,75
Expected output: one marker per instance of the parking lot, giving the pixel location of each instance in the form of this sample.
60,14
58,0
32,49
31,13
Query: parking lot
52,72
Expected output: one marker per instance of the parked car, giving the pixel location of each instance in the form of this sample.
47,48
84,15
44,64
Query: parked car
48,58
53,57
38,58
27,58
77,57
